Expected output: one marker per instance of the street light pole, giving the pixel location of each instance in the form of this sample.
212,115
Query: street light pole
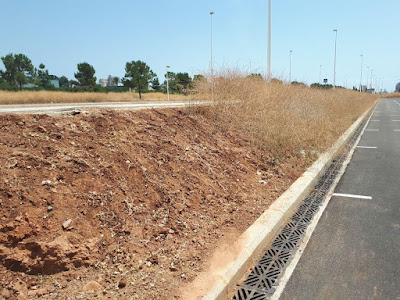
167,67
367,76
372,71
212,63
290,66
362,60
334,64
320,71
269,42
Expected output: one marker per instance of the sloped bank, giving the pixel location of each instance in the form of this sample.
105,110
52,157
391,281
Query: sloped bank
125,204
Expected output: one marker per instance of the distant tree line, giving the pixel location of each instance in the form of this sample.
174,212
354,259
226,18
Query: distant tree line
19,71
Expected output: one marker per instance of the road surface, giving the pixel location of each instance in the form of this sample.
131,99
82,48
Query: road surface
354,252
65,107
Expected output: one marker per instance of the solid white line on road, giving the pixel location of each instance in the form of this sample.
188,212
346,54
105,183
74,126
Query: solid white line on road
397,130
351,196
394,116
396,102
371,129
366,147
396,120
375,120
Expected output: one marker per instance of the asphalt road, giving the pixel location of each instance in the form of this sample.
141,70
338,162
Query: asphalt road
354,252
65,107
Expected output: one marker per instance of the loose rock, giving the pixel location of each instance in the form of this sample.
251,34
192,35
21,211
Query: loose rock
67,224
91,287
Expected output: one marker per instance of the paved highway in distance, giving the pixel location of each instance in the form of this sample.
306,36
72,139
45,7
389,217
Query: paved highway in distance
50,108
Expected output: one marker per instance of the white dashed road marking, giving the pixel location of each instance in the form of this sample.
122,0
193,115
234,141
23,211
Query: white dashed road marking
351,196
366,147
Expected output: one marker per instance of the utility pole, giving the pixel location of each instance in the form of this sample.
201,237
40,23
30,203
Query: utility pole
269,43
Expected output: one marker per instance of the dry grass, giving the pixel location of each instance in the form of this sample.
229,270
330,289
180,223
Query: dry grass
284,119
26,97
391,95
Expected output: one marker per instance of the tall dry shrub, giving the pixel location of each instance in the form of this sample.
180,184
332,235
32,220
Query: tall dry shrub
37,97
281,118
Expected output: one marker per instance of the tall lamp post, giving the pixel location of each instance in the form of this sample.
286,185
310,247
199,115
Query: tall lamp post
334,64
269,42
362,60
372,74
367,76
290,66
212,63
167,67
320,71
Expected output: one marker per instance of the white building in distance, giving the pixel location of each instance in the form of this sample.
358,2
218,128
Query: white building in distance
109,82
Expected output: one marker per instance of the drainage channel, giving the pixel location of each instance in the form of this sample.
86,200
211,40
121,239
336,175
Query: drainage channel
264,277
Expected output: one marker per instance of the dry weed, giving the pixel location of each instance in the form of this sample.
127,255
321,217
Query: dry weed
284,119
391,95
26,97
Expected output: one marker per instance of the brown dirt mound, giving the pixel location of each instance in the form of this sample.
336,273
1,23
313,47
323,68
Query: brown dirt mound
124,204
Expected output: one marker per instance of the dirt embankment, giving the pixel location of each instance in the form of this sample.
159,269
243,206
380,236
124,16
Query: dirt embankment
124,204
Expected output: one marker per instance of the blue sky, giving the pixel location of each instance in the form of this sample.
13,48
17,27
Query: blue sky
107,34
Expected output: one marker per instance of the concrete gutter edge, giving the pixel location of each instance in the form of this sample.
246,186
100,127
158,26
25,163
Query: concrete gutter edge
262,232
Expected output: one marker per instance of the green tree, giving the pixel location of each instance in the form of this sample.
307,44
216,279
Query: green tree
138,75
155,84
116,80
199,78
64,82
43,77
255,76
276,81
179,82
171,81
298,83
19,69
321,86
85,75
183,82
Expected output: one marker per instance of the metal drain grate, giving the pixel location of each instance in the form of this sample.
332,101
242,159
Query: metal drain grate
264,277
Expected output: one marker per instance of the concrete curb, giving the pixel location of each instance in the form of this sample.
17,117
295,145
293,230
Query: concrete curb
262,232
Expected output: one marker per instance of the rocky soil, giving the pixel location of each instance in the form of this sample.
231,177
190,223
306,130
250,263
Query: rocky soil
107,204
